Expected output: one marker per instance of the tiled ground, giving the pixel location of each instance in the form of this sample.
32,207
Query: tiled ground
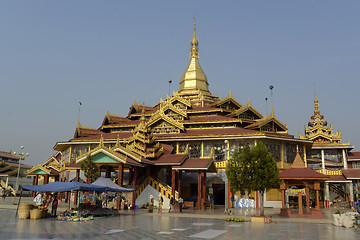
141,226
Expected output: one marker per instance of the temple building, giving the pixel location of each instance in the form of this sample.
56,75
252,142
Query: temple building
13,172
333,158
177,147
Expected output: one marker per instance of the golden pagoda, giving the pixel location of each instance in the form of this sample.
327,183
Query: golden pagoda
191,133
193,83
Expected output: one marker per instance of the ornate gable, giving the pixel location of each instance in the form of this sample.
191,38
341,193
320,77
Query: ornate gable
268,124
136,109
83,131
161,122
113,118
228,103
247,113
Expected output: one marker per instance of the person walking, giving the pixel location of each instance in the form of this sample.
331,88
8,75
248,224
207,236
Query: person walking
161,201
4,192
54,206
172,202
180,201
151,204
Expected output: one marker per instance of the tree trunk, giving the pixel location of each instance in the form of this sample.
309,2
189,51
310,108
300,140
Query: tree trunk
261,193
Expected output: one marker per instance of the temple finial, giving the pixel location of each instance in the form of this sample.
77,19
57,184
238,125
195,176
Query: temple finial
142,118
272,113
194,43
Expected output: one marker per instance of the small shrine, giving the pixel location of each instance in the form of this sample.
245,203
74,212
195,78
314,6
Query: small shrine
299,179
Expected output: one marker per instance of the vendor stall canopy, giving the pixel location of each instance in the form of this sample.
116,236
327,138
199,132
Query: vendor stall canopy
109,184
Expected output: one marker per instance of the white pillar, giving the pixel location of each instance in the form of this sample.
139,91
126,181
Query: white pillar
351,190
322,161
327,192
344,159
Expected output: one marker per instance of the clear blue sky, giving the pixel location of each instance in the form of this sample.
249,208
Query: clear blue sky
54,54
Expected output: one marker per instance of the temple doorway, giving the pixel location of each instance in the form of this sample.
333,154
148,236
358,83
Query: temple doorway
219,194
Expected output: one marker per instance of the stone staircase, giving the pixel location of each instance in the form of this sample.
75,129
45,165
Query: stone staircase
9,188
158,185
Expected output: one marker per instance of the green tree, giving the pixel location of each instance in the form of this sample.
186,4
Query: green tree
90,170
253,169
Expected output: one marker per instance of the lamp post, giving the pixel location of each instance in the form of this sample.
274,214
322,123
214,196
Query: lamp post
226,180
20,155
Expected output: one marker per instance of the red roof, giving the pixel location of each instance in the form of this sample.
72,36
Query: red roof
203,108
106,136
167,148
210,119
194,164
211,131
170,159
353,173
354,156
301,173
74,166
337,178
8,155
125,123
17,165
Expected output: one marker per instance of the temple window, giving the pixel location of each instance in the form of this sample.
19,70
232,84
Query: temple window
290,152
246,116
356,164
274,148
195,149
268,128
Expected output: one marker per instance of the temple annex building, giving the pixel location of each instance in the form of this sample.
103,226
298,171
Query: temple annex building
179,146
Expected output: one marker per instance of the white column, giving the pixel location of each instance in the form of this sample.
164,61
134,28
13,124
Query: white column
327,192
322,161
344,159
351,189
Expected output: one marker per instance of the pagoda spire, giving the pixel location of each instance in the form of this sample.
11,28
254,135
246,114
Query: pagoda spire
194,44
318,129
194,79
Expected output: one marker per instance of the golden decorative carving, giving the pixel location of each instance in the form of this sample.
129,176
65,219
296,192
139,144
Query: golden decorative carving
317,129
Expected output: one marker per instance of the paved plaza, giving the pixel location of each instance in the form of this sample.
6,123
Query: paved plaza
191,224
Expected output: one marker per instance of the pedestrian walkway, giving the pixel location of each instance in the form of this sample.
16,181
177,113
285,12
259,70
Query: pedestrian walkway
145,226
217,213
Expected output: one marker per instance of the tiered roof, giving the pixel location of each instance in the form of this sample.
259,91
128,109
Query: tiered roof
317,129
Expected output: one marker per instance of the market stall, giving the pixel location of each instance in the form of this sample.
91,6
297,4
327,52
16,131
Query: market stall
34,211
